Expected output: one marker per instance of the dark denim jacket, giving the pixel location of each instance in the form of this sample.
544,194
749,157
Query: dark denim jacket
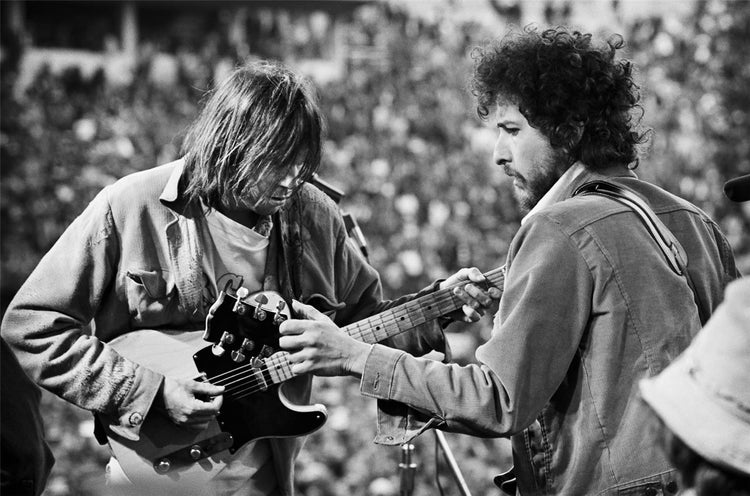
590,306
132,260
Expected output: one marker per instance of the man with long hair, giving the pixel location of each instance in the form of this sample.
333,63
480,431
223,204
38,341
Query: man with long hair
591,302
156,249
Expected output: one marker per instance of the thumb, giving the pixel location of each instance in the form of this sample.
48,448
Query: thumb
206,388
475,275
308,312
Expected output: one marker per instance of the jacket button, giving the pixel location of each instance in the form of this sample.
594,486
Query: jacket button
672,486
135,419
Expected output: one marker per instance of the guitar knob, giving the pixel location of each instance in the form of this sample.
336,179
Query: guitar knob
227,338
242,293
259,314
218,350
163,466
238,356
196,453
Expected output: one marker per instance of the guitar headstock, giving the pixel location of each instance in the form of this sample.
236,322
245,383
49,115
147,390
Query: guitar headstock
245,326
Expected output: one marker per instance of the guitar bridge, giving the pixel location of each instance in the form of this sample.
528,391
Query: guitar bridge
194,453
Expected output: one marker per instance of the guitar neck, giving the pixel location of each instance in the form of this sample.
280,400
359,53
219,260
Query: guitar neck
413,313
277,369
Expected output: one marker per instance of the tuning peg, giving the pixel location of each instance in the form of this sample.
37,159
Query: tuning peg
239,307
259,313
278,317
218,348
248,344
238,356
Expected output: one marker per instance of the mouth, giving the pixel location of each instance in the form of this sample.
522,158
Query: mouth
281,196
518,180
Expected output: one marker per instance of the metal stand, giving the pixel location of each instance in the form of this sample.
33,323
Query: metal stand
451,461
408,468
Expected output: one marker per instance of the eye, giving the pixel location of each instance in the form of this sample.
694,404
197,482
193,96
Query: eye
511,130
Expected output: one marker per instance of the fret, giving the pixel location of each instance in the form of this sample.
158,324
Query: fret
278,368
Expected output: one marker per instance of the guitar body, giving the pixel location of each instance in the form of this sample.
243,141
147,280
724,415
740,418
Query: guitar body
164,454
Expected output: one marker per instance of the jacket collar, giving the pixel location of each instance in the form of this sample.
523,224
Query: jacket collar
576,175
171,192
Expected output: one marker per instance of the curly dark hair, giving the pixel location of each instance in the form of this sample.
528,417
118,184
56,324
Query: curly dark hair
575,92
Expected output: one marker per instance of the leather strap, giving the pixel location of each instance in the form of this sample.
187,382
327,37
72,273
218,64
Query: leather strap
671,248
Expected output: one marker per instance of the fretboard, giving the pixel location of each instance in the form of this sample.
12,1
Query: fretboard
415,312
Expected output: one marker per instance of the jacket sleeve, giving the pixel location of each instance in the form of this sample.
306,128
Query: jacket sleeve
48,326
536,334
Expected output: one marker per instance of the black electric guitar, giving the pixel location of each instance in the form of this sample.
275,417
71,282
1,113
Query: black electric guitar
242,355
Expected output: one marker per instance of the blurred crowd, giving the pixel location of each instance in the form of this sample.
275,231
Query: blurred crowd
406,147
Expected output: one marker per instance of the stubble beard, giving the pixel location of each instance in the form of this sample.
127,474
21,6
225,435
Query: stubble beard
534,187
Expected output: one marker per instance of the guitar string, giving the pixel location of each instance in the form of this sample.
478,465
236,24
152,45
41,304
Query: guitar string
238,374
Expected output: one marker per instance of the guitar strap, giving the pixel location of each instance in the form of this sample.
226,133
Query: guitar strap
669,245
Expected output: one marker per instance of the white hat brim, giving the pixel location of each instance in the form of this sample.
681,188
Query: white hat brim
701,420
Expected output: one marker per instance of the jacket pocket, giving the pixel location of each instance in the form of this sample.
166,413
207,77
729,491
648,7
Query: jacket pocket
152,298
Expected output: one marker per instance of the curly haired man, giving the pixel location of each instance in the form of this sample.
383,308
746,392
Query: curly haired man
590,304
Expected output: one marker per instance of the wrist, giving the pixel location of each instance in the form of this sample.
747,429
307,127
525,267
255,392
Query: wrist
356,364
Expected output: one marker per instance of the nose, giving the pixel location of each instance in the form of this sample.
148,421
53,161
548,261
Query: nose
291,177
501,154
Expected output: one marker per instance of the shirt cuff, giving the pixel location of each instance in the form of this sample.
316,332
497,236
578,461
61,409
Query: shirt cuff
136,405
377,378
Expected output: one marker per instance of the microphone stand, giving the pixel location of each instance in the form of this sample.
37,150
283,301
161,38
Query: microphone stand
451,460
407,468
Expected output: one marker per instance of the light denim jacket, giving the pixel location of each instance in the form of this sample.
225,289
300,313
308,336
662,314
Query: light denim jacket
590,306
132,260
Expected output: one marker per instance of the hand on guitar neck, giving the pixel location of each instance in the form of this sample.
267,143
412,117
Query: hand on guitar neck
471,286
189,403
316,345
